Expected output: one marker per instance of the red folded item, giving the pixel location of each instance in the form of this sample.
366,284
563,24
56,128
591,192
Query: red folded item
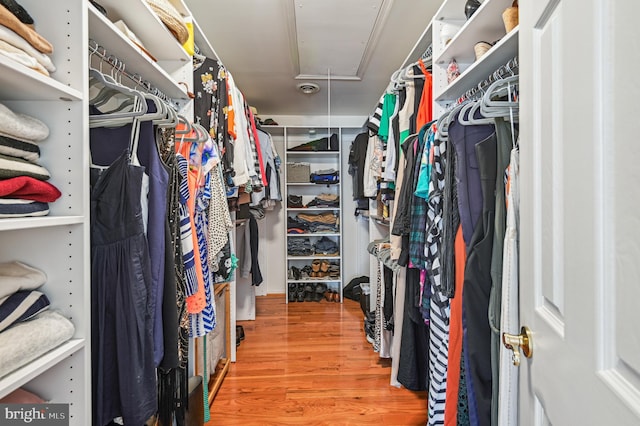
28,188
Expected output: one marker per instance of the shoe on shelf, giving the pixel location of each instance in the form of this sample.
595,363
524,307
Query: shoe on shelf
292,292
321,288
300,292
310,292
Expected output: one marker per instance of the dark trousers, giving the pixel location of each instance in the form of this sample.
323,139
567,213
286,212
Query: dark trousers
477,286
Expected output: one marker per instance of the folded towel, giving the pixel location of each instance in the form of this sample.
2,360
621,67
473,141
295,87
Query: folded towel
16,276
26,341
21,126
15,148
13,167
13,207
21,57
14,39
21,306
28,188
9,20
18,11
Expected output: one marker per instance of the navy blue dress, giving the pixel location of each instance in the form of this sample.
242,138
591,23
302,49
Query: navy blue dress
123,369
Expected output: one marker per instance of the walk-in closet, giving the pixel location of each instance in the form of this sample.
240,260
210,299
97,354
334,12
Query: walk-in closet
319,212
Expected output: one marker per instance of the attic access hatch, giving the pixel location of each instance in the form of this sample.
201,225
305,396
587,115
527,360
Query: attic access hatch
334,35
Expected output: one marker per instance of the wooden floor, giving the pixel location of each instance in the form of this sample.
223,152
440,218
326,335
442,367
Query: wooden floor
309,363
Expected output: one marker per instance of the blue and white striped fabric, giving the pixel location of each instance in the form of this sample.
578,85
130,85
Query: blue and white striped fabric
202,323
186,236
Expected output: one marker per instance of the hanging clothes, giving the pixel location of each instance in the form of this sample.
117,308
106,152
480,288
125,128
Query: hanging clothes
477,285
201,321
504,146
439,304
210,107
464,140
106,145
172,372
510,318
425,107
123,368
413,368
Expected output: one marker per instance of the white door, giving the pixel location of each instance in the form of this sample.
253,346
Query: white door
580,211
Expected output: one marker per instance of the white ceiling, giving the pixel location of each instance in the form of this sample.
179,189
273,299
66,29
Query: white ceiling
270,46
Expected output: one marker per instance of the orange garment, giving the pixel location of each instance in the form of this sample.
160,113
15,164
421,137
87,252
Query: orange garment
231,113
455,334
196,302
425,112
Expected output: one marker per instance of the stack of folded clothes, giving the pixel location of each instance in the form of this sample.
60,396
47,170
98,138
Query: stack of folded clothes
19,40
308,222
299,247
27,328
334,270
325,177
24,190
325,200
326,246
322,144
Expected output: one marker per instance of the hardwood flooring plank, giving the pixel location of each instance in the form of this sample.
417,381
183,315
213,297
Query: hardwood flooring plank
310,364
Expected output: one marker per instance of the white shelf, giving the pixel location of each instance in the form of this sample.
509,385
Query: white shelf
318,160
312,209
314,153
484,25
451,10
202,42
317,256
498,55
312,184
146,25
10,224
384,221
17,82
420,47
107,35
14,380
317,234
313,280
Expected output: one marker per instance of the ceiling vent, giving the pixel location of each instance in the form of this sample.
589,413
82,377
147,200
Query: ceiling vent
308,88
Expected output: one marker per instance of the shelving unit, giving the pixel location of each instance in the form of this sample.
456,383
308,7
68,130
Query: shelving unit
57,244
105,33
498,55
317,160
485,24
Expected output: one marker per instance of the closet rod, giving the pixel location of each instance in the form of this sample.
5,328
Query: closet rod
119,67
509,68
